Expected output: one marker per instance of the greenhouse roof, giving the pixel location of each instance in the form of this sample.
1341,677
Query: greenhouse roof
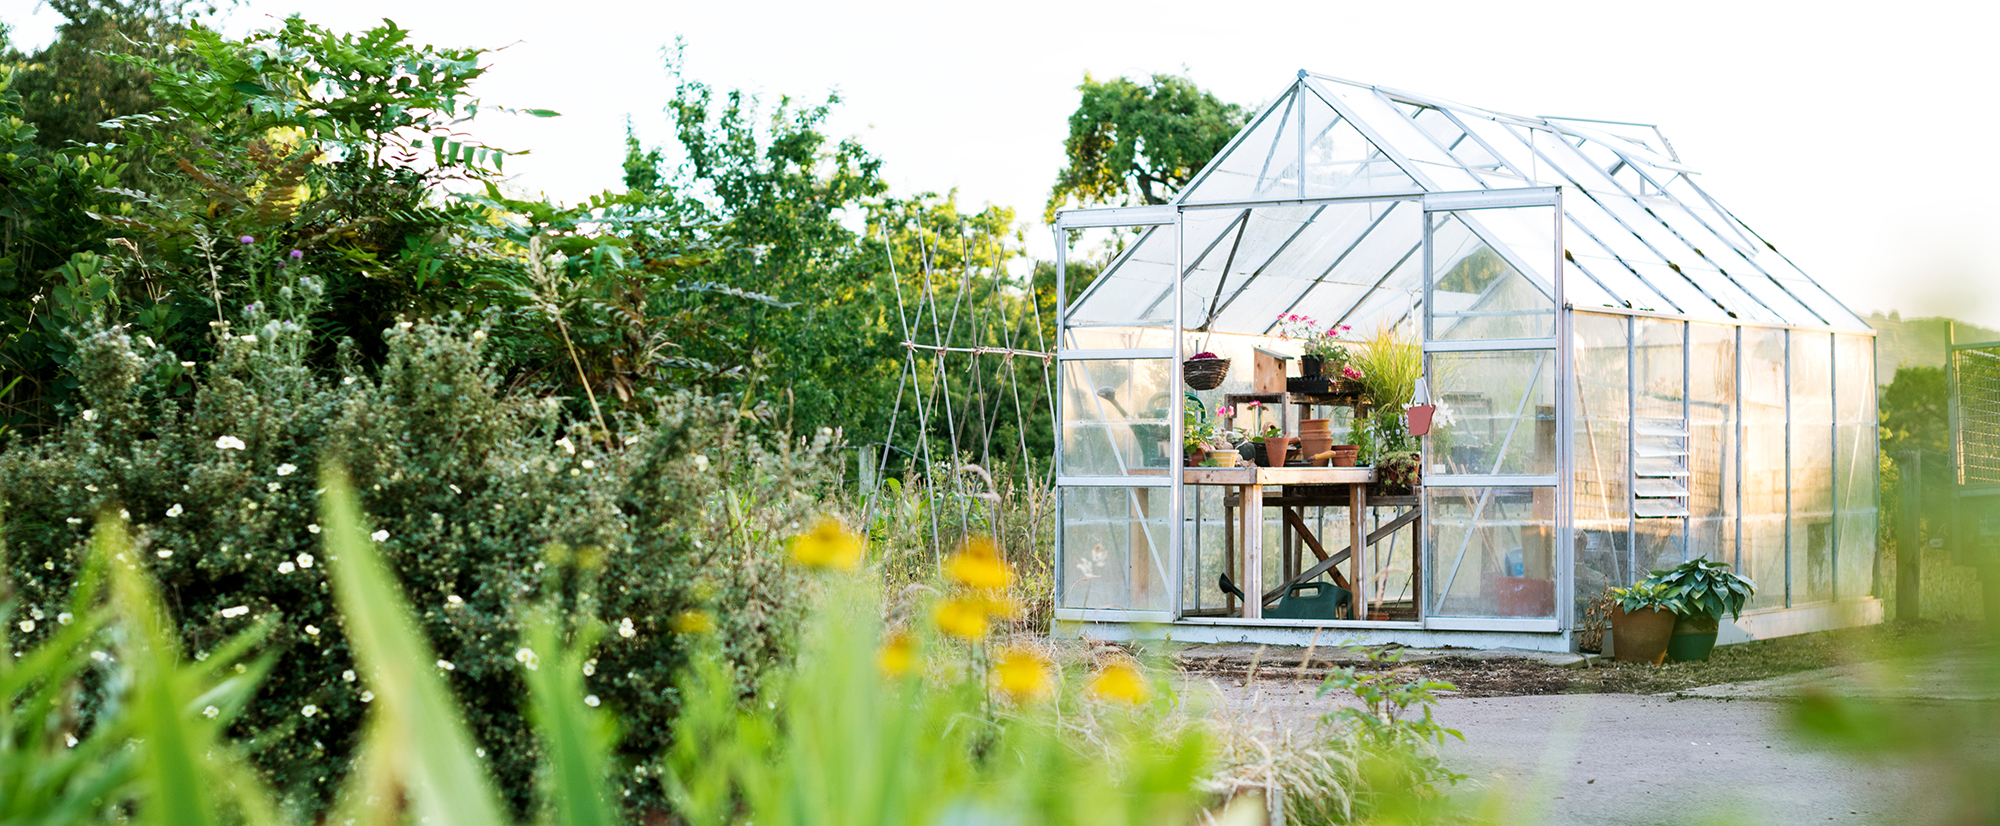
1317,207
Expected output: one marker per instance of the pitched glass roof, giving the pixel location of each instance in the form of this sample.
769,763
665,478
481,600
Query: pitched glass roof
1638,230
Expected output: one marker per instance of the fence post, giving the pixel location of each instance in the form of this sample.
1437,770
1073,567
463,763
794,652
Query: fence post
1909,553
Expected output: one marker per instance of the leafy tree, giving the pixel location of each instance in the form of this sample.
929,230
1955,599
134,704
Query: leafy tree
1140,142
76,83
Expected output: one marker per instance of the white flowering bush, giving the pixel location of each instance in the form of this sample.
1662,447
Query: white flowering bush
483,502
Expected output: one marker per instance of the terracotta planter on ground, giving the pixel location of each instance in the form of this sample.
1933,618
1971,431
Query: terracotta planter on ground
1641,637
1520,596
1693,639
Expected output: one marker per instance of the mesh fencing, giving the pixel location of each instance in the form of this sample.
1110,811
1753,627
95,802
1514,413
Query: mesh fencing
1976,389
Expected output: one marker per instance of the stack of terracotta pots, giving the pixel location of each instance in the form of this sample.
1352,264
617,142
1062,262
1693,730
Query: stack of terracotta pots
1315,438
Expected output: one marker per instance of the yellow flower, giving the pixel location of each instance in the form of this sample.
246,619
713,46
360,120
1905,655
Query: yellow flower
1122,682
694,622
898,654
978,565
964,618
1022,673
827,545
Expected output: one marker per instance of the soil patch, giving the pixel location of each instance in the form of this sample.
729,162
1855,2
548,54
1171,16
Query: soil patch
1494,677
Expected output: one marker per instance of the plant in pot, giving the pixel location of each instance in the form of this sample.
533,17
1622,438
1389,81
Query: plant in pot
1642,621
1198,432
1324,352
1272,445
1705,590
1204,370
1398,473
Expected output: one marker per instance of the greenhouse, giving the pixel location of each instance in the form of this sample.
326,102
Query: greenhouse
1620,375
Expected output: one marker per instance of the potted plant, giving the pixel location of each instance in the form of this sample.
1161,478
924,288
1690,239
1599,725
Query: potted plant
1198,432
1272,445
1399,473
1705,591
1642,620
1324,351
1204,370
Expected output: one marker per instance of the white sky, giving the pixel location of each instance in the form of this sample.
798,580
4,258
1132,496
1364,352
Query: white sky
1847,134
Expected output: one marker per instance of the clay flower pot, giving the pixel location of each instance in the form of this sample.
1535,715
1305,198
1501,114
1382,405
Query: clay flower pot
1275,448
1641,637
1196,455
1346,455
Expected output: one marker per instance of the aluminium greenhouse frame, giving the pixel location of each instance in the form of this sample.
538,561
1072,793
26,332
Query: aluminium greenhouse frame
1557,271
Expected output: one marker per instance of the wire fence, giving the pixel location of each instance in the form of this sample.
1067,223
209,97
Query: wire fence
1976,428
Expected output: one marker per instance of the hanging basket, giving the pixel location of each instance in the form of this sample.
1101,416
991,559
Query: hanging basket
1204,374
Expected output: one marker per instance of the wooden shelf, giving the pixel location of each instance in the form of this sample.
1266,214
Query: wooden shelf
1254,475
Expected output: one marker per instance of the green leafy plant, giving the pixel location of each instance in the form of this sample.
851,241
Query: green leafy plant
1393,737
1705,588
1647,594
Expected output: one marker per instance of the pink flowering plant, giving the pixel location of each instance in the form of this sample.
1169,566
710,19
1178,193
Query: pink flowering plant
1323,342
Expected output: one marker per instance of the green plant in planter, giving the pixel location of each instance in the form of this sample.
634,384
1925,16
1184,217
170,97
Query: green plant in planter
1706,588
1646,594
1704,591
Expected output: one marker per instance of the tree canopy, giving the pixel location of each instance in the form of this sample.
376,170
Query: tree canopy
1135,142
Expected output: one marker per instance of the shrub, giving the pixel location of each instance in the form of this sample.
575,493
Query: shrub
478,493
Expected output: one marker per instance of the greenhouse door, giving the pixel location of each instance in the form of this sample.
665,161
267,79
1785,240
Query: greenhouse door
1494,557
1118,433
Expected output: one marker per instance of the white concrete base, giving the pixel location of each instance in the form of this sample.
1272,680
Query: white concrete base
1302,635
1784,622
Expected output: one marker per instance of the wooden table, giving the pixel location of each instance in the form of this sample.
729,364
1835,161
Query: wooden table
1250,481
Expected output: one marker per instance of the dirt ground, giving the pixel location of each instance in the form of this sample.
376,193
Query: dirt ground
1499,677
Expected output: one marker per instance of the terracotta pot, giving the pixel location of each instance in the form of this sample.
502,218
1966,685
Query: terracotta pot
1418,417
1312,445
1308,427
1345,458
1275,449
1195,455
1641,637
1520,596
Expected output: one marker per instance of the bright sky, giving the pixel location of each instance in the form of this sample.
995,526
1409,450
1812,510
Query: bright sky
1849,135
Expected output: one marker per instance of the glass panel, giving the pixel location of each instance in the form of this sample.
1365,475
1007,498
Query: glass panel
1345,244
1115,549
1712,437
1263,165
1492,551
1496,413
1763,390
1812,466
1205,544
1116,337
1340,161
1137,280
1115,418
1477,293
1856,464
1247,252
1660,441
1603,515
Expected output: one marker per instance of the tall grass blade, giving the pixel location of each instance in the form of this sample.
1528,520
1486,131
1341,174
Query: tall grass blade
416,716
575,739
176,791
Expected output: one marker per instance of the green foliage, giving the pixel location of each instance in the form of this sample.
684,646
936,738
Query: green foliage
845,741
1646,594
74,85
478,491
1699,587
1140,142
146,726
1398,775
